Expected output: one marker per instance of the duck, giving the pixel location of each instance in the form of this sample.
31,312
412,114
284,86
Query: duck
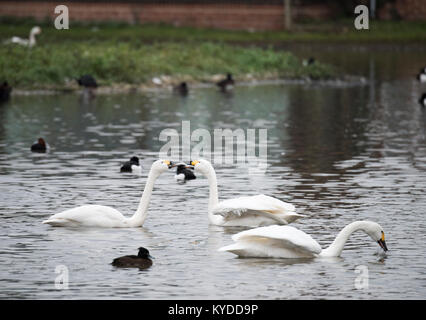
422,75
31,41
132,165
5,90
308,62
106,217
87,81
422,100
251,211
39,146
226,84
141,261
183,173
291,243
181,89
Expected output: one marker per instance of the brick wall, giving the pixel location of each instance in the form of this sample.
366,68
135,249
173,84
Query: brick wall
404,9
224,16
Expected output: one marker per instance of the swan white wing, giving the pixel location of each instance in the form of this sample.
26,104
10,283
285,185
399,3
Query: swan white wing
270,207
288,238
87,215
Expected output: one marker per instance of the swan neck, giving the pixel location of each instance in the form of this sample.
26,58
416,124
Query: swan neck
213,195
141,213
335,249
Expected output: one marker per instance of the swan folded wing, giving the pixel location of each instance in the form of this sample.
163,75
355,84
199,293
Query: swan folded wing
87,215
260,205
284,236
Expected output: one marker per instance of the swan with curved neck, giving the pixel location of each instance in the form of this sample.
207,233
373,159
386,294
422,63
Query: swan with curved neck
250,211
289,242
31,41
107,217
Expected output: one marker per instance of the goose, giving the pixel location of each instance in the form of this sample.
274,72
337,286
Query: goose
422,75
132,165
39,146
226,84
422,100
141,261
181,89
252,211
183,174
31,41
107,217
5,91
288,242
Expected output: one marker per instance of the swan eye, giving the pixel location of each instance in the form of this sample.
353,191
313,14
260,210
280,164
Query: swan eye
193,163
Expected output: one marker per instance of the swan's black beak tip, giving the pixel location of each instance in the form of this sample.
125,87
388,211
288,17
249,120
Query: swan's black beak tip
382,244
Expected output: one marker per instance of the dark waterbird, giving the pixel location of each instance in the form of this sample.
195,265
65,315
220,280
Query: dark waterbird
226,84
39,146
422,100
141,261
181,89
129,166
183,173
5,91
87,81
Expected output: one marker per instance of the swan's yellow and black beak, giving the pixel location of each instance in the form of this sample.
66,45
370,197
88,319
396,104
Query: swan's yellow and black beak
192,164
170,164
382,242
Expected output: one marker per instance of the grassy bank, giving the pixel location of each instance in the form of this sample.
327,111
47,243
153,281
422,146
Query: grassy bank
55,65
133,54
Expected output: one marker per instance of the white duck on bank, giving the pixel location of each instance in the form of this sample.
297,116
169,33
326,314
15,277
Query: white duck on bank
289,242
250,211
107,217
31,41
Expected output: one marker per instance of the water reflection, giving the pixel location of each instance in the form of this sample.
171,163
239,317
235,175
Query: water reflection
339,153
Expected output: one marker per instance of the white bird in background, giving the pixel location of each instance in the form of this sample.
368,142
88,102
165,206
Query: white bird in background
107,217
250,211
31,41
289,242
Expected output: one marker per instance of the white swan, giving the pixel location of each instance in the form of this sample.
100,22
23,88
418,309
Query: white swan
251,211
27,42
289,242
107,217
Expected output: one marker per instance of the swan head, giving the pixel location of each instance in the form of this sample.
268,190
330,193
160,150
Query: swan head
201,165
375,231
161,166
35,30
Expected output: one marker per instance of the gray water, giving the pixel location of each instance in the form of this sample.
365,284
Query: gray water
338,152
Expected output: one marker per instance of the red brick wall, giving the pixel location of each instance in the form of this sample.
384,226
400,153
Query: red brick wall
224,16
404,9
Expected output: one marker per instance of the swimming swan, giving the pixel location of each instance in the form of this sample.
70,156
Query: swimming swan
251,211
107,217
289,242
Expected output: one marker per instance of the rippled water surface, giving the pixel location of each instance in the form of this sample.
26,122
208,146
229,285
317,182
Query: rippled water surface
339,153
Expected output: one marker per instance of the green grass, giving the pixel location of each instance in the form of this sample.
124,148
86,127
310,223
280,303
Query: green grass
55,64
121,53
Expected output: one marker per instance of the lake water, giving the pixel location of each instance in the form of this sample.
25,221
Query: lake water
339,153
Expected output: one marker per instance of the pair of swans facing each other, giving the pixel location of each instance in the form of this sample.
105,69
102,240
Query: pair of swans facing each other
245,211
